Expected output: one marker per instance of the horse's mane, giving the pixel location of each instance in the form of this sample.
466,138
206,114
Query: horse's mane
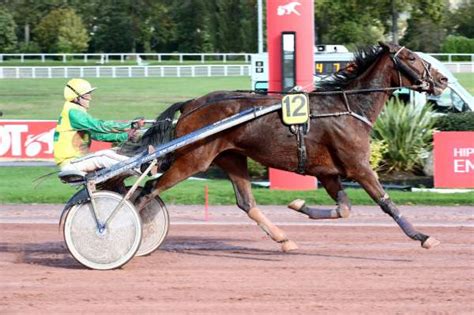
161,132
364,58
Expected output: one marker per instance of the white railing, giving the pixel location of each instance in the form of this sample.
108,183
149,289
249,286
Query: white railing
124,71
105,58
459,67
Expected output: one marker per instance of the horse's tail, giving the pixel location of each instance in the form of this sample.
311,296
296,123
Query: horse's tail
161,132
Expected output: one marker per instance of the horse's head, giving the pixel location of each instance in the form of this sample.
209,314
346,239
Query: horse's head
413,70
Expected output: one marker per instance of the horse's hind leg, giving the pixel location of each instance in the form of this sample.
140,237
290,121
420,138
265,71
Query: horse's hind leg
235,165
368,180
333,186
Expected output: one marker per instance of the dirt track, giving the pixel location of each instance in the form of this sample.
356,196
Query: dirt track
360,265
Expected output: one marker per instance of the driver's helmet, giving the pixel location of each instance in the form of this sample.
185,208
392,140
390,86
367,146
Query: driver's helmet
77,88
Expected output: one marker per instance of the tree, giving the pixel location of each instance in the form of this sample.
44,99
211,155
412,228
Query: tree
163,29
62,31
28,13
8,38
192,33
461,20
426,31
348,22
423,34
113,31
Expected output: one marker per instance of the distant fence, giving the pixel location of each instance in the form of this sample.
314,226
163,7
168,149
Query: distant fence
457,67
103,58
122,57
124,71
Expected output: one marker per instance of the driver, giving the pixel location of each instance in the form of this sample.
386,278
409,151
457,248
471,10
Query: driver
76,127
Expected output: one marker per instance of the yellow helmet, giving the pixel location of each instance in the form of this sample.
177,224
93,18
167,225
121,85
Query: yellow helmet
76,88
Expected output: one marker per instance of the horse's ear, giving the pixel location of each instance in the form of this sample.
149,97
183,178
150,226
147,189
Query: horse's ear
388,47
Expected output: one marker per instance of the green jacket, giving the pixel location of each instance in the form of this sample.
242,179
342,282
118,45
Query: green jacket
76,128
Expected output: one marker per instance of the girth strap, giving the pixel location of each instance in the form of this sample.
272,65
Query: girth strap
300,131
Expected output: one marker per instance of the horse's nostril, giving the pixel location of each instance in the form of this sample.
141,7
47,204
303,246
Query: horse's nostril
444,80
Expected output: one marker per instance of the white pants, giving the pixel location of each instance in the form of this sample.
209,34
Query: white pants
94,161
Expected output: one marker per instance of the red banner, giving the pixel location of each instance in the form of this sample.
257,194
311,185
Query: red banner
454,159
22,140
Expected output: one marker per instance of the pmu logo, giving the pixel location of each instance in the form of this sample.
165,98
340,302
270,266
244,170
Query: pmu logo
288,9
17,141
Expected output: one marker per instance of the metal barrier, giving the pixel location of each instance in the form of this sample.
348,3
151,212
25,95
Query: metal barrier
124,71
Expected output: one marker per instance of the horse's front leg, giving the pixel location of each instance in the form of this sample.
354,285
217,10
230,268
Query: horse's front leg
235,165
368,180
333,186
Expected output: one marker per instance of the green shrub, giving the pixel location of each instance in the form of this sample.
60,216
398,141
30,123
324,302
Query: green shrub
256,170
407,130
455,122
458,44
377,151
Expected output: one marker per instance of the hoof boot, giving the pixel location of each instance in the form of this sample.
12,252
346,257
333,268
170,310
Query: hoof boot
288,246
430,242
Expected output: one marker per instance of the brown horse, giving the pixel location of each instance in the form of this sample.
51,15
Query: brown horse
337,144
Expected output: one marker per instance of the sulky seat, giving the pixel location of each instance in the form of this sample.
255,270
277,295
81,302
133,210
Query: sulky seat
72,177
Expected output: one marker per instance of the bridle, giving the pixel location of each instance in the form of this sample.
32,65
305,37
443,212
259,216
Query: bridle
424,82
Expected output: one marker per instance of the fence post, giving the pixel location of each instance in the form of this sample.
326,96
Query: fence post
64,58
49,73
22,58
180,58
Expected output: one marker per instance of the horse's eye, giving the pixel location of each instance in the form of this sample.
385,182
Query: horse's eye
412,58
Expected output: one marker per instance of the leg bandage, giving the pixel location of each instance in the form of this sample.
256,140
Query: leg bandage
267,226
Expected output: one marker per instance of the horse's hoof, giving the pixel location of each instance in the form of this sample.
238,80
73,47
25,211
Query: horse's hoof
288,246
296,204
343,212
430,242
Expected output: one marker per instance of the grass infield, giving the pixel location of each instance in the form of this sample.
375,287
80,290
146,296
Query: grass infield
17,186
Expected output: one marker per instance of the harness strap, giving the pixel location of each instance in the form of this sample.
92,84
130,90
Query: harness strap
348,112
364,119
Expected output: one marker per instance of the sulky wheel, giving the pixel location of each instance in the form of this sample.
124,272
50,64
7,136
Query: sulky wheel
155,224
115,244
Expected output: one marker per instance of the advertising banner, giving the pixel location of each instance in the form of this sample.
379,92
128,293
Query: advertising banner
31,140
454,159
